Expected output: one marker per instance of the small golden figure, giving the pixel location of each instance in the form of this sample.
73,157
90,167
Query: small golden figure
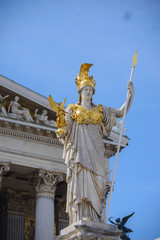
60,116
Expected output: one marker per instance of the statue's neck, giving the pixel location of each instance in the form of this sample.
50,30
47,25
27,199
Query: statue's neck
86,103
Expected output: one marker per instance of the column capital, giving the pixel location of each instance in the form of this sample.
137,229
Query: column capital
4,168
45,182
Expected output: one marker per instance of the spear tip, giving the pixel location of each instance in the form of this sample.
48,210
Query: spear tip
134,59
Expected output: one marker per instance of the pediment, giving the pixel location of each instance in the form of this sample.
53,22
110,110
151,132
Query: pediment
22,103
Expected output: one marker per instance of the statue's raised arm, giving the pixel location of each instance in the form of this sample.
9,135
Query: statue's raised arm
119,112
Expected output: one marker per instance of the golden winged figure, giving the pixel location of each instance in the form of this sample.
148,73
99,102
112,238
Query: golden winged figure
60,116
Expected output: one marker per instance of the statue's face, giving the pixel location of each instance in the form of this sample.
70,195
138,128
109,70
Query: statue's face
16,98
87,93
44,112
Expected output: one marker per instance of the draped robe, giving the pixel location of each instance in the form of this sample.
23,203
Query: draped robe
86,169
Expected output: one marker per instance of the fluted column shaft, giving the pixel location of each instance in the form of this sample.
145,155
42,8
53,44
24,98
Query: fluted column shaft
44,217
45,185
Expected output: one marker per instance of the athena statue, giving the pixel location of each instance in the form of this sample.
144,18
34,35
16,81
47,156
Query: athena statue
86,125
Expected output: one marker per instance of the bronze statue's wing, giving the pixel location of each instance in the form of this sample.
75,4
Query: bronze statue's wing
111,221
126,230
52,104
63,103
125,219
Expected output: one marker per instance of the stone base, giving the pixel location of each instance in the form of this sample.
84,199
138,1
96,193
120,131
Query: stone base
88,230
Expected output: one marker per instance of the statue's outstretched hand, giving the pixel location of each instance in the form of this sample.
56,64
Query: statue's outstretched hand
130,88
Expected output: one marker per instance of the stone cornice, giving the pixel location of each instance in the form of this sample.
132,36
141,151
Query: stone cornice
28,136
17,123
28,131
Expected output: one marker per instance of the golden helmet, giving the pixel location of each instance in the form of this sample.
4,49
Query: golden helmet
83,79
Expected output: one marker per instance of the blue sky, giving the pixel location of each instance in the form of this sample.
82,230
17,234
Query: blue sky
42,45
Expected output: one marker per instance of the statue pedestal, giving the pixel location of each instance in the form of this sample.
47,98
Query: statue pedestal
88,230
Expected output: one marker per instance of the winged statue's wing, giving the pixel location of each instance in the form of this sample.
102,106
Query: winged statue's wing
52,104
127,230
125,219
63,103
111,221
5,103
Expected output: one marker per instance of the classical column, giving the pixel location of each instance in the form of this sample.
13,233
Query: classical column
4,167
45,185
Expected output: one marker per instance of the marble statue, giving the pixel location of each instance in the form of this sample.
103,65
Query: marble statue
2,105
43,118
15,110
87,124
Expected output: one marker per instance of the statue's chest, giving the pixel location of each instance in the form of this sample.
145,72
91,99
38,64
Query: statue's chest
83,115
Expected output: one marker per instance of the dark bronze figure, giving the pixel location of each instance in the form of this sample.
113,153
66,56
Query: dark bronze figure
120,224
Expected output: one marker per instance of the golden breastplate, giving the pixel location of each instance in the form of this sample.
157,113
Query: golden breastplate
83,115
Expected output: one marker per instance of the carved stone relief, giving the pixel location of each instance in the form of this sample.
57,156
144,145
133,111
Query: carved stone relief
21,201
17,201
61,209
13,109
3,110
61,217
43,118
